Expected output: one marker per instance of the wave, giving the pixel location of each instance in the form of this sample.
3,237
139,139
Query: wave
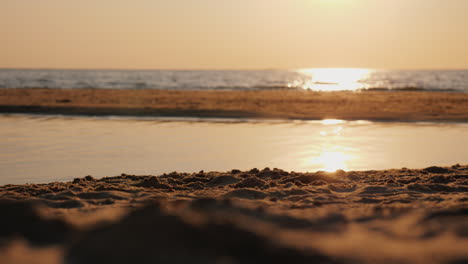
385,81
409,89
145,86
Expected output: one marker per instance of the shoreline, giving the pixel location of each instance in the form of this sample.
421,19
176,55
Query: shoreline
404,106
227,120
254,216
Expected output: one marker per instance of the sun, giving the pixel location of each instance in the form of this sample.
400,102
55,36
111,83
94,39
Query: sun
333,4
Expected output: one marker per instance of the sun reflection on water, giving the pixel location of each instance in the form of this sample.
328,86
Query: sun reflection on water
332,155
332,161
332,121
331,79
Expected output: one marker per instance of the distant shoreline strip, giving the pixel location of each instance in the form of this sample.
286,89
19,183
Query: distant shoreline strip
404,106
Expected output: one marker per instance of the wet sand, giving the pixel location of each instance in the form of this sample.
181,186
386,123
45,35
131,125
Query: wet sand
256,216
375,106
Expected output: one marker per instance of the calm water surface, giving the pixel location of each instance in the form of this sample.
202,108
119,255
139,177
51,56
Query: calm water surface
39,149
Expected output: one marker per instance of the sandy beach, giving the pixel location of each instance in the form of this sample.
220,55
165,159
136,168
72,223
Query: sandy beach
234,132
255,216
274,104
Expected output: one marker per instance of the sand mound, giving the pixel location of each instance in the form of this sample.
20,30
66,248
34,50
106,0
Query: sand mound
256,216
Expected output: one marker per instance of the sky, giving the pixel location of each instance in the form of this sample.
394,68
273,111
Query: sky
234,34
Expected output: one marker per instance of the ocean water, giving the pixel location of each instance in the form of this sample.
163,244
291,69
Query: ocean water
39,149
313,79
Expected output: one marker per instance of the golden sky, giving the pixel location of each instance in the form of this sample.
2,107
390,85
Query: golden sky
233,34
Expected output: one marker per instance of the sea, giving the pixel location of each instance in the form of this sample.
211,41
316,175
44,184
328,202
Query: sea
47,148
319,79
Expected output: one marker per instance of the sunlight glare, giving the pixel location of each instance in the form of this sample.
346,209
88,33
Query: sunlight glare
332,160
332,122
331,79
